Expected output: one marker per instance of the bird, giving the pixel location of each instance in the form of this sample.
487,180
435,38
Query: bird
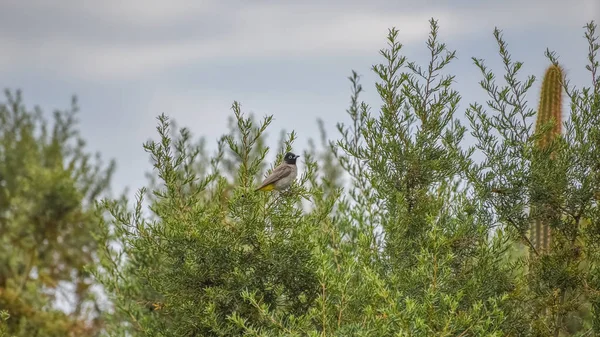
282,176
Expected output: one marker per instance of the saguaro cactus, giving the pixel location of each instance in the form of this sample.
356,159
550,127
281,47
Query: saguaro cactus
550,109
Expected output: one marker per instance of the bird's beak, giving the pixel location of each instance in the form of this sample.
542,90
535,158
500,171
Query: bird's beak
297,156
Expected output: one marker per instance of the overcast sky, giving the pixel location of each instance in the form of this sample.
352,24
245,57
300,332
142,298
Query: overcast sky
129,61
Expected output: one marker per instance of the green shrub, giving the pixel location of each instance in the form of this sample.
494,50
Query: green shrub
392,230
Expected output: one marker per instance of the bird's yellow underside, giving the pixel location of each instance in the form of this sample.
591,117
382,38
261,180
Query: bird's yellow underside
269,187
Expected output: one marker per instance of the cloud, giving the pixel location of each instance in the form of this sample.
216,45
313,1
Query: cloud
143,13
125,40
258,32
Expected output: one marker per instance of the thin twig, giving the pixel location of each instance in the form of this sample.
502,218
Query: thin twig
510,221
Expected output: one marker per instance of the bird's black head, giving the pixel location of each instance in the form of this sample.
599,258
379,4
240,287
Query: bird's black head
290,158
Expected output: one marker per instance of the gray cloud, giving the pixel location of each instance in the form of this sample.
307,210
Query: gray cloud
116,40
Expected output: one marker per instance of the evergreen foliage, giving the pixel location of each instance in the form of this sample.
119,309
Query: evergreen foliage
393,229
421,240
48,186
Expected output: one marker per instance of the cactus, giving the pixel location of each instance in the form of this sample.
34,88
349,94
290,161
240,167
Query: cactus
550,108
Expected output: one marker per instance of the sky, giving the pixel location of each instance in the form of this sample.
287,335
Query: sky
132,60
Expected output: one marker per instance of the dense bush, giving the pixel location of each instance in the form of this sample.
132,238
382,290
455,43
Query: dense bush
48,186
394,229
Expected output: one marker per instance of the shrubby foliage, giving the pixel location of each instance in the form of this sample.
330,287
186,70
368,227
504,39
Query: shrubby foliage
48,185
393,229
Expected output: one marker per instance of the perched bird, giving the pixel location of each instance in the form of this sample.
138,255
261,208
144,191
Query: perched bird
282,176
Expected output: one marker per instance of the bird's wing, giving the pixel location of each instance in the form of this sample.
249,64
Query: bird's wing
279,172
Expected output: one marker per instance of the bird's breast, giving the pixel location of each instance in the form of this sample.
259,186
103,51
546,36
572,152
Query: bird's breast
285,182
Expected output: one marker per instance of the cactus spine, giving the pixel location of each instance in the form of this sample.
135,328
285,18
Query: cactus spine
550,108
